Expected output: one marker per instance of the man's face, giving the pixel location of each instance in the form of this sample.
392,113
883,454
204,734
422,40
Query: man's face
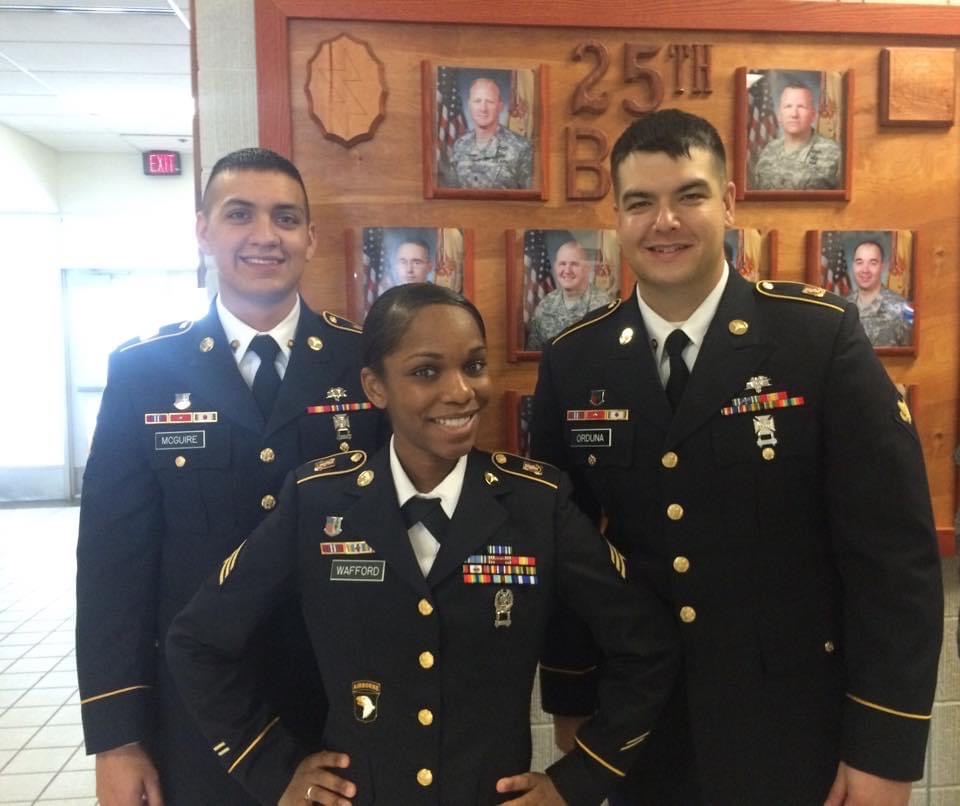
485,104
570,268
796,113
255,226
411,264
868,266
671,217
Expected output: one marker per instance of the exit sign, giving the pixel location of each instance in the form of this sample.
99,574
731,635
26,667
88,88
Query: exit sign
161,163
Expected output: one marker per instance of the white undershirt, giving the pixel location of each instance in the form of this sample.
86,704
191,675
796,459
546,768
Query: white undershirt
425,545
695,327
240,334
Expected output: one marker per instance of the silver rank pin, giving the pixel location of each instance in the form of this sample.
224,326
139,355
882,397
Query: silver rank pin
502,605
757,382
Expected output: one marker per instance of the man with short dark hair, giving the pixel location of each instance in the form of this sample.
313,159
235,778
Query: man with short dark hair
886,316
801,158
198,427
732,434
411,261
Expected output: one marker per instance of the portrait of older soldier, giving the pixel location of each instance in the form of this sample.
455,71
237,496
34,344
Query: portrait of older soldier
489,155
885,315
800,158
411,262
574,295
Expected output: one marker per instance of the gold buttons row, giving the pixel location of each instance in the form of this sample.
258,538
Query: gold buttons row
669,460
424,777
425,717
675,512
267,455
426,660
268,502
688,615
424,608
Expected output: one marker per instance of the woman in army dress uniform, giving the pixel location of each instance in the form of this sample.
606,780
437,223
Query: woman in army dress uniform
426,625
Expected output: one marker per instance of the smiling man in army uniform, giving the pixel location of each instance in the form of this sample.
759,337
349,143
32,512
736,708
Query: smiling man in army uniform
732,435
887,317
198,427
801,158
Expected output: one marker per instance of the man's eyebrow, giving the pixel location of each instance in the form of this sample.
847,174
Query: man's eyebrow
695,184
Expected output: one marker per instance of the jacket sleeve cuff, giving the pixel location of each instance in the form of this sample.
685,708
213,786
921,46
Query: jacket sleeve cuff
583,780
883,741
266,765
117,718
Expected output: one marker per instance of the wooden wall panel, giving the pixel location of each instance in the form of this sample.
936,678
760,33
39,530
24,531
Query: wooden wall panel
905,178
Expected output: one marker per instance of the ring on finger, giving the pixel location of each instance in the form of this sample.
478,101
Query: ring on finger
309,795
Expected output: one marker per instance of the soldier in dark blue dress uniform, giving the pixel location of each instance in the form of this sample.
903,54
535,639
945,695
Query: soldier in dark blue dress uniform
756,466
426,625
186,460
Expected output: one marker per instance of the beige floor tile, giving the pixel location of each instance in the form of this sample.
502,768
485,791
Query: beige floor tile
15,738
18,717
74,784
57,680
66,715
21,680
8,696
80,761
946,796
57,736
45,759
5,756
31,665
19,787
10,652
46,696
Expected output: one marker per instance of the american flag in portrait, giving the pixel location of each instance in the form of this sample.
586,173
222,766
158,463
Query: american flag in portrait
762,115
538,275
450,120
374,265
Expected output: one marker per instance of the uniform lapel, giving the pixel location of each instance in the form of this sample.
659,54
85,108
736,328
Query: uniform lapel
298,389
725,361
479,515
375,517
212,373
632,369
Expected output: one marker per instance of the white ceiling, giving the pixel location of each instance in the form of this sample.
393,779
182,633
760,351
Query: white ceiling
97,75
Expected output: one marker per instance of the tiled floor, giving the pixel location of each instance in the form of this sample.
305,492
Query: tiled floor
41,754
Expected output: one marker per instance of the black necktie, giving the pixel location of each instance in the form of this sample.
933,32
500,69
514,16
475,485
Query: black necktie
679,373
428,512
266,383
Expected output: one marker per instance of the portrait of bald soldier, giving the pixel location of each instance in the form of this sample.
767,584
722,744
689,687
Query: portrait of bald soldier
574,296
886,316
489,155
800,158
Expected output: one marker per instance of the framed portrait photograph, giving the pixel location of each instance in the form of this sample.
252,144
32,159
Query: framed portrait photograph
876,270
554,278
379,258
752,253
517,413
793,134
484,132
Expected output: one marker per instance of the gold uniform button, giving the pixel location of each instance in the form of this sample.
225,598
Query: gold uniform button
425,717
829,647
768,453
669,460
688,615
180,461
681,564
267,455
591,460
675,512
268,502
344,446
424,777
426,660
424,607
314,343
206,344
